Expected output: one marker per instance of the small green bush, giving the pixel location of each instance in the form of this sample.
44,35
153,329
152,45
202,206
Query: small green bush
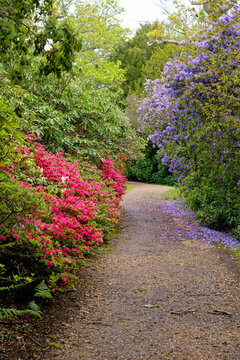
216,204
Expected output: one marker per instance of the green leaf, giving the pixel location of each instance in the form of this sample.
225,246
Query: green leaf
150,306
42,291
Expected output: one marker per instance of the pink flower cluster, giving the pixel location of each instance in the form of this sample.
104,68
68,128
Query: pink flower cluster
115,179
81,209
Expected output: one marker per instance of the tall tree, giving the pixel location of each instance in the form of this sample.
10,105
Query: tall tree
134,55
190,18
99,28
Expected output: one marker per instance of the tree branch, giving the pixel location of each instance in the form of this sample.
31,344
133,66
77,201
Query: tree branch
196,3
3,15
165,41
13,212
207,6
6,217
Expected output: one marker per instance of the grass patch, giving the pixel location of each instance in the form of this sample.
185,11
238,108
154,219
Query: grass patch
172,194
102,249
236,251
129,188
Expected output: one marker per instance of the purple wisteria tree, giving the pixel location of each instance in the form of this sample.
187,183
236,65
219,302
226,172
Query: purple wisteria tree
193,116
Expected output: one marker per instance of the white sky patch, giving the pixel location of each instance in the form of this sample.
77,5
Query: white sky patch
141,11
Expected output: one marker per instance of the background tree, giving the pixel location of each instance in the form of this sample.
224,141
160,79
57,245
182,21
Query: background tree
143,59
99,27
30,28
134,55
155,64
188,18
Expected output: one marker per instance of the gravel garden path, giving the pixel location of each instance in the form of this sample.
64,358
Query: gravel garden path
161,292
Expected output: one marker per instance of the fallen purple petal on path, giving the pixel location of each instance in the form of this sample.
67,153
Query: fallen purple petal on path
192,230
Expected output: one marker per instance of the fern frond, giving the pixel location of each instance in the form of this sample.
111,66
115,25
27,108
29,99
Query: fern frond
13,287
42,291
32,312
11,312
8,313
33,306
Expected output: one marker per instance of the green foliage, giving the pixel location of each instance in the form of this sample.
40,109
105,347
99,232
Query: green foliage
98,24
141,170
133,55
73,117
17,253
42,291
207,201
9,130
154,65
29,28
236,251
150,168
19,282
69,113
16,201
236,233
34,307
172,194
141,58
23,256
12,312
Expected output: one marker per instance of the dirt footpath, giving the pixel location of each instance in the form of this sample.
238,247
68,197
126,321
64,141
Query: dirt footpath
156,295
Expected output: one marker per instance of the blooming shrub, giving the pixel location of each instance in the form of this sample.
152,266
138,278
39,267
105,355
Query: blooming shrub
79,208
192,113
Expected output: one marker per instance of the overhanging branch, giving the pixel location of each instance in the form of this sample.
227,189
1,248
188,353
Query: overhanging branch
208,9
165,41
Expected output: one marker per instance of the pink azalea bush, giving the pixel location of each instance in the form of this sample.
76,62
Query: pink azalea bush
80,208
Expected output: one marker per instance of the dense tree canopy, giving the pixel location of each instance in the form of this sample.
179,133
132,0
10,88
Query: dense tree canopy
30,27
98,25
141,60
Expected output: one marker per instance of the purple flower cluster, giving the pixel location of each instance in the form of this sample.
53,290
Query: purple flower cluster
193,115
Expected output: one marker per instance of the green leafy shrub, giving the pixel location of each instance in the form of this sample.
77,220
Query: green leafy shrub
163,176
143,170
207,201
18,253
9,130
150,168
73,119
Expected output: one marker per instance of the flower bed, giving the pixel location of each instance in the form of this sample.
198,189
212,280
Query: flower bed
73,206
